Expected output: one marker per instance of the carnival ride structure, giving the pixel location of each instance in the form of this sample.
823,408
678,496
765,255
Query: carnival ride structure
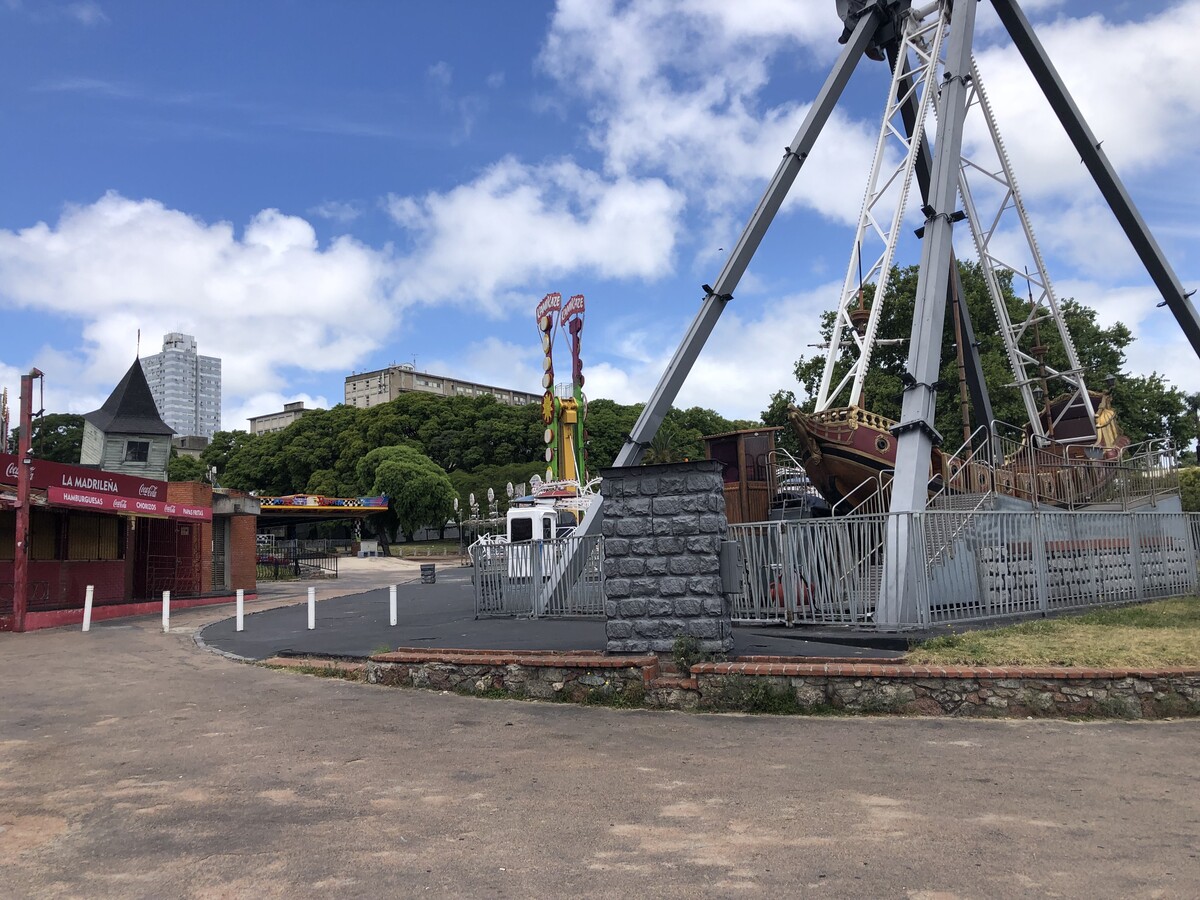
935,86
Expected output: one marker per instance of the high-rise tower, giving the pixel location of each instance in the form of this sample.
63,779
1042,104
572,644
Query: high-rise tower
186,386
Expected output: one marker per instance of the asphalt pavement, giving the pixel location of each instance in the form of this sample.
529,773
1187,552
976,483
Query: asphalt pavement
442,615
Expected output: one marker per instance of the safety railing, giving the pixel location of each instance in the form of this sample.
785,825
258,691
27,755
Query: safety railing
998,564
562,578
291,563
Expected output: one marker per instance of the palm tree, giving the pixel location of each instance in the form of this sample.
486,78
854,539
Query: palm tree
664,448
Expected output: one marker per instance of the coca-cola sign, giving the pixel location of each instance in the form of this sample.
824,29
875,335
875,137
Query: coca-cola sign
45,474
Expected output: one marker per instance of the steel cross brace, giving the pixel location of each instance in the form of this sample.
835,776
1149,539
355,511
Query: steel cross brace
1101,169
722,291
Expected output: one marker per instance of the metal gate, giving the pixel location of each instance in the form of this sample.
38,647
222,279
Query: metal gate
562,578
220,554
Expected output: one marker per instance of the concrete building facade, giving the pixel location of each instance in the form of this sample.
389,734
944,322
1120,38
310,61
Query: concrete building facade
366,389
186,386
278,421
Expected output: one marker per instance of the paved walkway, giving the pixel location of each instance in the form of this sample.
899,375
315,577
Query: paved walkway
133,764
352,620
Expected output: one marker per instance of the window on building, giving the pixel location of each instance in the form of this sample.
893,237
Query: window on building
137,451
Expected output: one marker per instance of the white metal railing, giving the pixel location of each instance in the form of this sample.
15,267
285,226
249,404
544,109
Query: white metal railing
562,578
994,564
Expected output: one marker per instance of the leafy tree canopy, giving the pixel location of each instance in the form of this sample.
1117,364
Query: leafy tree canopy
186,468
477,441
57,437
1147,406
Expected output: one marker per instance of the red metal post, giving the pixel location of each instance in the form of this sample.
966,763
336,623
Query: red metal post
24,463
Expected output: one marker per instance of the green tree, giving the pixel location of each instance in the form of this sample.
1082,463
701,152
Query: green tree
57,437
1147,406
222,446
419,491
1189,487
186,468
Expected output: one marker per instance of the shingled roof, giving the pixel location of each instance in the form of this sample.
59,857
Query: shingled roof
130,408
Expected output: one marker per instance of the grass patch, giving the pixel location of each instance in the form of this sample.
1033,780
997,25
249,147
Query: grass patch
752,694
1149,635
324,672
422,549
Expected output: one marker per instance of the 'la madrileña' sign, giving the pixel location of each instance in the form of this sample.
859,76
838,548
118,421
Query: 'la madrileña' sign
101,491
46,474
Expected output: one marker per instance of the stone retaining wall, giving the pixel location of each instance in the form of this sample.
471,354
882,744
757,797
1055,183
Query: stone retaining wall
540,675
1011,692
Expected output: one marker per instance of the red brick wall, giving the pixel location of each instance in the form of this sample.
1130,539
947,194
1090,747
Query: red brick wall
243,552
193,493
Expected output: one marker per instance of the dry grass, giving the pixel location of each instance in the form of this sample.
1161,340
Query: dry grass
1162,633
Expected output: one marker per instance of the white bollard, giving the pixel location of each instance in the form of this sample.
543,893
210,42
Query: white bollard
87,608
392,604
312,608
166,611
241,608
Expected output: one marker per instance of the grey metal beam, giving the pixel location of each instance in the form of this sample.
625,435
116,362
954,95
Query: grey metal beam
721,292
981,402
915,435
1101,169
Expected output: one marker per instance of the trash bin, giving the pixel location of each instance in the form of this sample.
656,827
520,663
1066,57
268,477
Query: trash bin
428,573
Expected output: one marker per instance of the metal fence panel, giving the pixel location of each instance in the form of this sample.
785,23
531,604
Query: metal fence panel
976,564
562,578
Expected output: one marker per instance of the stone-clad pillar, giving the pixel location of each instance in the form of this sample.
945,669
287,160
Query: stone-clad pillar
663,526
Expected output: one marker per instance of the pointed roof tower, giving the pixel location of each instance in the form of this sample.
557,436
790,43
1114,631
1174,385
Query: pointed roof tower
130,408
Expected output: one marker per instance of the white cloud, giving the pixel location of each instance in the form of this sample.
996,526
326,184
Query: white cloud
519,224
675,89
263,301
336,211
1133,81
87,12
747,358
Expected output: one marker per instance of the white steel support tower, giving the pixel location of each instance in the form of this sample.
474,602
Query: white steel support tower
930,46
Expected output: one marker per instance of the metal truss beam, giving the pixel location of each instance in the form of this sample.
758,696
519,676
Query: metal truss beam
1101,169
1022,338
882,214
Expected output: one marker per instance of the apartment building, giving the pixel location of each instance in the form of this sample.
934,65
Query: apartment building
277,421
366,389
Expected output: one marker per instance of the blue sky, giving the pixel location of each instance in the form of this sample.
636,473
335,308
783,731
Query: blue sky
318,188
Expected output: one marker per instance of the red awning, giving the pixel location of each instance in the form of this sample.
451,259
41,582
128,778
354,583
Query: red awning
136,506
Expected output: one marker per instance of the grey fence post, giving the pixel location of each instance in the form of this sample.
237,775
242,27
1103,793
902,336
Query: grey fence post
1040,565
1135,556
535,578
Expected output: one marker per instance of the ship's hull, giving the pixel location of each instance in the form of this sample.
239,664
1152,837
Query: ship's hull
850,455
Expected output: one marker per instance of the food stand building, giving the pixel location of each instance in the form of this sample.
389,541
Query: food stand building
129,536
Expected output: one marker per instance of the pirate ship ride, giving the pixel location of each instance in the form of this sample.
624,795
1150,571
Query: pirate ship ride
1071,449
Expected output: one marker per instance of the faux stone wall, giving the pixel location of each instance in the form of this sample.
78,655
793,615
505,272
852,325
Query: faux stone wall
663,527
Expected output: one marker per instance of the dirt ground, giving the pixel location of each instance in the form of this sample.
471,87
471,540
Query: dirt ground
134,764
